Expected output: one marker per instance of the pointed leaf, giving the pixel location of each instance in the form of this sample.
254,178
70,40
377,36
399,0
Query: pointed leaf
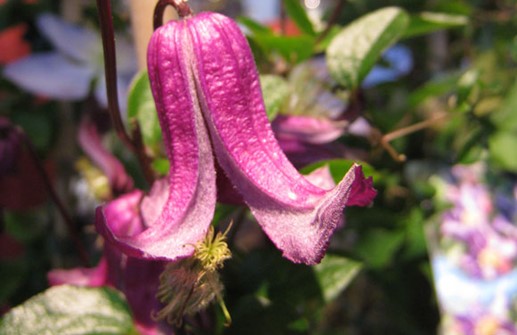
334,273
298,14
70,310
356,49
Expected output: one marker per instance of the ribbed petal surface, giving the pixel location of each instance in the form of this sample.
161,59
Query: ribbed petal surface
298,216
177,213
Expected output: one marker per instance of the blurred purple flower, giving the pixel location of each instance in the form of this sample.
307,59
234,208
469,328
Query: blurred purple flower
203,67
69,72
91,143
474,221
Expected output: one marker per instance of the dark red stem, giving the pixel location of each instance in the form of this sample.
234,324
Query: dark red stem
135,144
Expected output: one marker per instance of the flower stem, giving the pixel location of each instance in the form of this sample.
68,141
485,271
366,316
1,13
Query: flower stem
135,144
180,6
71,227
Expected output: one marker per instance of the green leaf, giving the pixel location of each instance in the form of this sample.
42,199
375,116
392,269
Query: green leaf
275,90
502,149
378,246
141,107
296,12
293,49
356,49
334,273
428,22
339,167
505,117
70,310
254,26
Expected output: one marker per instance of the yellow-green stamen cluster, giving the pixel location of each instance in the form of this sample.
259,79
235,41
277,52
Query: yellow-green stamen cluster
190,285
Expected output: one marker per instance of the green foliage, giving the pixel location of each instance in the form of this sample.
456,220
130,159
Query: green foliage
70,310
275,90
428,22
298,14
355,50
141,108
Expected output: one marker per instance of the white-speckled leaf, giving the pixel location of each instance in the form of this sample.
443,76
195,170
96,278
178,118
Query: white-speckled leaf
275,90
70,310
356,49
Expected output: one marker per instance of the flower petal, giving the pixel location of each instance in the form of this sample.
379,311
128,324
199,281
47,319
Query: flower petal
298,216
50,75
78,43
91,277
177,213
308,129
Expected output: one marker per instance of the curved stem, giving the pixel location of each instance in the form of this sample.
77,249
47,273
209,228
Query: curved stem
135,144
180,6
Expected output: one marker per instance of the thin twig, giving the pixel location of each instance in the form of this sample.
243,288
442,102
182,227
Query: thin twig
70,225
387,138
413,128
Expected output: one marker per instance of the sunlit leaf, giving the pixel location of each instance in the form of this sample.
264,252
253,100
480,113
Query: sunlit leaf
502,149
275,90
70,310
293,49
356,49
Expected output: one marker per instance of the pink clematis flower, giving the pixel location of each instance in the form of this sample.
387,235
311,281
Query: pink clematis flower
207,93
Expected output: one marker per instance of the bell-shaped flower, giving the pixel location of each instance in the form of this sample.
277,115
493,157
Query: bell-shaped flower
210,106
69,72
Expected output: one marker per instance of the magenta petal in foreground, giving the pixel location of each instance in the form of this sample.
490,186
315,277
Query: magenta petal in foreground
298,216
207,93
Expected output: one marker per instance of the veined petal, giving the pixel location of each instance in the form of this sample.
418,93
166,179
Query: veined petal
50,75
298,216
78,43
177,213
